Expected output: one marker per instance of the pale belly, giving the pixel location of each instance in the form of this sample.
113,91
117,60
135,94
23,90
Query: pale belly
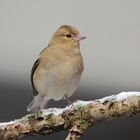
58,82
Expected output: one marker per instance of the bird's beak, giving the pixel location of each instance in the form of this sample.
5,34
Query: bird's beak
80,37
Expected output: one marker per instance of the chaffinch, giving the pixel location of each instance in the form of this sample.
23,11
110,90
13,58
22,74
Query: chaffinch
57,72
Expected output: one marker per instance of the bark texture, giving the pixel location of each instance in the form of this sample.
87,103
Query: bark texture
76,118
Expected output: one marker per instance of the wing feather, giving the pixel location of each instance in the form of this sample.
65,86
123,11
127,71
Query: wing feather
35,92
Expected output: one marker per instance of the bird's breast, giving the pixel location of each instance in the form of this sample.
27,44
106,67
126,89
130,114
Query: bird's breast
59,76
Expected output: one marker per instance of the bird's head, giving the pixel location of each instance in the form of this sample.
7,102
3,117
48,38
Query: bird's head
67,36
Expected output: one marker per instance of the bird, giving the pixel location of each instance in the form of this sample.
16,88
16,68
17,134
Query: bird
57,71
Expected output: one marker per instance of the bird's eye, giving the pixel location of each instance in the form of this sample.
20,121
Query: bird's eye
68,35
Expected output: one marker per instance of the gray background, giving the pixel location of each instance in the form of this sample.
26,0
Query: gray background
111,54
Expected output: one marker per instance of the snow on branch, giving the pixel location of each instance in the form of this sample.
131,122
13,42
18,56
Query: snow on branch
75,118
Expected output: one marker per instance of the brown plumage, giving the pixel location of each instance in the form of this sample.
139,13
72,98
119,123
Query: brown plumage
57,72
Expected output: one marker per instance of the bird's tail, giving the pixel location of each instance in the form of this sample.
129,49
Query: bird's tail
39,102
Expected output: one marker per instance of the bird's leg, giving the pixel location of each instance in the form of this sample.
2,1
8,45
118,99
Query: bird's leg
44,103
37,109
67,99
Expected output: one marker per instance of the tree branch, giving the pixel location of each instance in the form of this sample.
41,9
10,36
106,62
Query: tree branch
76,117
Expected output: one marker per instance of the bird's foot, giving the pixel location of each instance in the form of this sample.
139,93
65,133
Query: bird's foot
67,99
37,110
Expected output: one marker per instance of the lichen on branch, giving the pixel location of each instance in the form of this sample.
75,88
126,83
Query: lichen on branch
76,118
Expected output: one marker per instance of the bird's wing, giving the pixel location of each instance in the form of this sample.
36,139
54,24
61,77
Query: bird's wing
43,50
35,92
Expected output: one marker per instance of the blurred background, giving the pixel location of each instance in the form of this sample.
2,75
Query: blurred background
111,55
